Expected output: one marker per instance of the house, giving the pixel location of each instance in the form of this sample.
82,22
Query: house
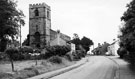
112,49
59,39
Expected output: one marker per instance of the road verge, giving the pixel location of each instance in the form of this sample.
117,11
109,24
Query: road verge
60,71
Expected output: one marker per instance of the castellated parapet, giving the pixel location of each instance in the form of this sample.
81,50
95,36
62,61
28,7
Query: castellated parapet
38,5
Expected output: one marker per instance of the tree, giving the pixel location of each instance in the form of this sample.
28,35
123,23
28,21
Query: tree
104,47
86,43
10,20
76,40
127,37
11,52
121,52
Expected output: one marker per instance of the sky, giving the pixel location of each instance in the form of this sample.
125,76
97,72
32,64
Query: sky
98,20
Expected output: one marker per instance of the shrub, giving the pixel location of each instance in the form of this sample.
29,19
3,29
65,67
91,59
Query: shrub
78,54
26,56
26,49
69,56
27,72
57,50
6,75
121,52
3,56
11,52
55,59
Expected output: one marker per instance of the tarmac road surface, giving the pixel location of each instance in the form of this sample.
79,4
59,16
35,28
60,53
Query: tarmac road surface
97,67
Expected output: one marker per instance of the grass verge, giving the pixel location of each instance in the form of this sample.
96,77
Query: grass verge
43,67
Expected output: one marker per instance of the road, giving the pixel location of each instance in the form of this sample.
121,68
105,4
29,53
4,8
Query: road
97,67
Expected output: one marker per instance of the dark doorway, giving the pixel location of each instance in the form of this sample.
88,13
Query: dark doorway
37,39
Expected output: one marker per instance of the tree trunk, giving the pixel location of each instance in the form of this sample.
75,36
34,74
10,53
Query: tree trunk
12,64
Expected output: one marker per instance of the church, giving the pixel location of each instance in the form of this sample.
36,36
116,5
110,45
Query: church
40,32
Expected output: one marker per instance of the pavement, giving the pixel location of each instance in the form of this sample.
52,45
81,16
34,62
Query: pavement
124,72
60,71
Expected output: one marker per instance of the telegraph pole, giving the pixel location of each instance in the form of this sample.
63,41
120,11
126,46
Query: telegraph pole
20,37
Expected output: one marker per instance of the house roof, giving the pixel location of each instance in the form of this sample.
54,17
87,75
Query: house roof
62,36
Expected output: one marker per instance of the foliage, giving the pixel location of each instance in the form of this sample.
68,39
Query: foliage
101,49
26,41
19,53
104,47
26,49
121,52
78,54
6,75
26,73
10,21
128,34
2,56
3,43
76,40
55,59
86,43
127,37
69,56
11,52
57,50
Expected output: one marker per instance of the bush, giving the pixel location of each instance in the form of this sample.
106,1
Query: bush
6,75
78,54
55,59
3,56
26,56
57,50
69,56
26,73
11,52
121,52
26,49
17,55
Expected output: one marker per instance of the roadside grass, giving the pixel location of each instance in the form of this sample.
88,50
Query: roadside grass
28,68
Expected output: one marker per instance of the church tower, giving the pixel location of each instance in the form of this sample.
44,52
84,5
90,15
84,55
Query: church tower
39,25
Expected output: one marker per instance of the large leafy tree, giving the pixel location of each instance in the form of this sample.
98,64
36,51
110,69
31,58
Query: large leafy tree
86,43
10,20
127,37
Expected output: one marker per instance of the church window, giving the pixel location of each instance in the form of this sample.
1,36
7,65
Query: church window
37,37
36,12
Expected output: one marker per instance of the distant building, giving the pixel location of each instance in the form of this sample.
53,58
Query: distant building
112,49
40,32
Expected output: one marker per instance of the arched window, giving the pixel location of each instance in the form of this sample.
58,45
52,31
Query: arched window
36,12
37,37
